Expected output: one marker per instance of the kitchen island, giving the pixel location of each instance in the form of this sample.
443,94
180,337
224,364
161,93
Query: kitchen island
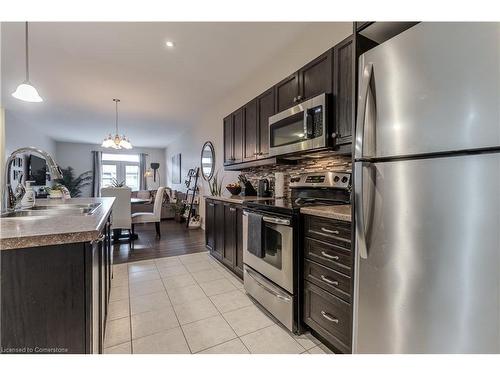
55,277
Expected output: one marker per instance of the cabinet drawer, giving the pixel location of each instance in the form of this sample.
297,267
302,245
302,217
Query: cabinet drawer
332,281
335,257
332,231
329,316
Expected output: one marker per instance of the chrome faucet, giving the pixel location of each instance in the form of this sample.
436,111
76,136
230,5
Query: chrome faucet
9,198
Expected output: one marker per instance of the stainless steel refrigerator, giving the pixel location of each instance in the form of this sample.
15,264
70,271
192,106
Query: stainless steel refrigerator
427,192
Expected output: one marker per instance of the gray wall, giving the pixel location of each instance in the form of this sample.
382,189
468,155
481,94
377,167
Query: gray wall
79,156
20,134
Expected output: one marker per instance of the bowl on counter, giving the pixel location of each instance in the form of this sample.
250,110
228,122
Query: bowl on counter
234,190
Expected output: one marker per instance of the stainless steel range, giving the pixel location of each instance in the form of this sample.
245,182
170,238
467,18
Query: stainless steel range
271,242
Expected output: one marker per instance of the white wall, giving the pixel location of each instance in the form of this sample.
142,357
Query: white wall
79,156
20,134
319,38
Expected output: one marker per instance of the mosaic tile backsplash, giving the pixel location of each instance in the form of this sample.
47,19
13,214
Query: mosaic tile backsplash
337,163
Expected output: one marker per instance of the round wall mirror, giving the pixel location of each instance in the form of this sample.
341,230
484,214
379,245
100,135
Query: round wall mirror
207,160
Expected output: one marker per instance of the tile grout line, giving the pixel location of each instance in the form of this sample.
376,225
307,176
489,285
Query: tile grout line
222,316
175,313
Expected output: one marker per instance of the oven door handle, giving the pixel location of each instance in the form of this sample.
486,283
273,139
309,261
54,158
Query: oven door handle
275,220
266,288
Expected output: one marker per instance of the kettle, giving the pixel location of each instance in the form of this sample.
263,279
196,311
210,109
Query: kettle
264,188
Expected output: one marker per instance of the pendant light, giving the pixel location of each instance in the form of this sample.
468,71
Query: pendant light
117,142
25,91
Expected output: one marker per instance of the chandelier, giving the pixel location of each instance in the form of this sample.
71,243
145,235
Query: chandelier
117,142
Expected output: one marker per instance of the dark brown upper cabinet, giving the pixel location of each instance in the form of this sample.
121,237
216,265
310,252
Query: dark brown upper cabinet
233,137
343,81
313,79
316,77
238,136
228,139
266,107
287,92
250,134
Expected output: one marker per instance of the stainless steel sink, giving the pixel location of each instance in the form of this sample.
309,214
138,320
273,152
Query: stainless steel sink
55,210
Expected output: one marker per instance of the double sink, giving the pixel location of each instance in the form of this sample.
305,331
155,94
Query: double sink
69,209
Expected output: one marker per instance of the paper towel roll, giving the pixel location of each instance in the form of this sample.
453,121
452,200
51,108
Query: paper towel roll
279,185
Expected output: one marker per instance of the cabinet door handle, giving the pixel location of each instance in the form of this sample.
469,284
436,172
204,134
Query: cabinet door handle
328,256
329,281
330,231
232,209
295,100
329,317
211,204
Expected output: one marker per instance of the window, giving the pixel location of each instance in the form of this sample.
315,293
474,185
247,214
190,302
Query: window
122,167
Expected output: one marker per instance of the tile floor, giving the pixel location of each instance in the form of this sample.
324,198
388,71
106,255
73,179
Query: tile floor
191,304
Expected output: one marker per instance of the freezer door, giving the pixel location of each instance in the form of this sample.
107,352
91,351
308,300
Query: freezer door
433,88
428,280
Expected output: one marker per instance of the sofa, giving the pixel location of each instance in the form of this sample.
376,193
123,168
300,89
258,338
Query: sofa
169,199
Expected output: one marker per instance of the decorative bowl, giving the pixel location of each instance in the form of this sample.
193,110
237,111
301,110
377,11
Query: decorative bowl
234,190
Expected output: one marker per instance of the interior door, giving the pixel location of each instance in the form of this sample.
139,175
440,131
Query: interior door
432,88
428,280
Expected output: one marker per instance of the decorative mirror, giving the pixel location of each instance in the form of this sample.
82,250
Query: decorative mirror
207,160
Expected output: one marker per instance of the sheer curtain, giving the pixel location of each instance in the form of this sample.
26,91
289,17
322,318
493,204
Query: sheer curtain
142,171
96,173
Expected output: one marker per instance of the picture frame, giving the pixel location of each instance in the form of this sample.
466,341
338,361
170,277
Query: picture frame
176,169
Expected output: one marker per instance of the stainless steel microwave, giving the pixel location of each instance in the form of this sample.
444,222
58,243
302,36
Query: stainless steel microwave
301,128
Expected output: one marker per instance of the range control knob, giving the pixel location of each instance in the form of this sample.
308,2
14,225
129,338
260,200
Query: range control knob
344,179
336,179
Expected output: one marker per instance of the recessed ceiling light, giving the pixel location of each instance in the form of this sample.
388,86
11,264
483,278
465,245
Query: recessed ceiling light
170,44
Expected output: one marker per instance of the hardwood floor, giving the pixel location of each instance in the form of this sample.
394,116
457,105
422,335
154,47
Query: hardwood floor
176,239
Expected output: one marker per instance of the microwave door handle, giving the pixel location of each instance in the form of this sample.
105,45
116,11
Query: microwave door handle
308,125
366,77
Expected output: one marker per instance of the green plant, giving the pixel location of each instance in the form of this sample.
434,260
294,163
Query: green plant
75,185
215,185
178,207
117,184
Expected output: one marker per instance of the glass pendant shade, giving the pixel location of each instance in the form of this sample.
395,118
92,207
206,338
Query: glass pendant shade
25,91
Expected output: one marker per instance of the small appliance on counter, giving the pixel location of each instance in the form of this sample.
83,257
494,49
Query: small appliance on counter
271,230
264,189
246,187
279,185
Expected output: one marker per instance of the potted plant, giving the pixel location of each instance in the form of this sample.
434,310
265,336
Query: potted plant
179,208
75,185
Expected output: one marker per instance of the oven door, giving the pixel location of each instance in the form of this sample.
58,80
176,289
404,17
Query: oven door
300,128
277,263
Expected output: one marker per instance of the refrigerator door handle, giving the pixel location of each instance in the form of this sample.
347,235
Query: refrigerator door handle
359,211
366,78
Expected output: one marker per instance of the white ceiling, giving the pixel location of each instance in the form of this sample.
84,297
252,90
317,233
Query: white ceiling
79,67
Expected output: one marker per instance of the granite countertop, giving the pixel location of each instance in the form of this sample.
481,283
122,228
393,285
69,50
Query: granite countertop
34,231
340,212
238,199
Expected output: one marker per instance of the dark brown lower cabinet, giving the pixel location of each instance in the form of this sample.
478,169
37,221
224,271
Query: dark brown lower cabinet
54,298
228,256
224,233
327,280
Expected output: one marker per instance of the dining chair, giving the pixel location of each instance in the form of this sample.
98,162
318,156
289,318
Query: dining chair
151,217
121,215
